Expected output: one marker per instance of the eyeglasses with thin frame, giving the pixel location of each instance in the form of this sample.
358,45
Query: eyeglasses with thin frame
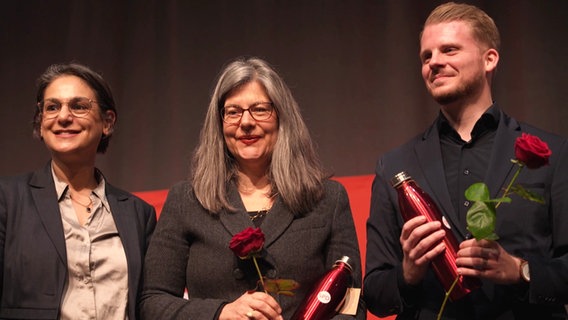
79,107
260,111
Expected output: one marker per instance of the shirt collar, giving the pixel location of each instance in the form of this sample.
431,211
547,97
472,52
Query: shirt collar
61,187
488,121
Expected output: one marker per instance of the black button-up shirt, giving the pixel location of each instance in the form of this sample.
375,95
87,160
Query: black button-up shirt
466,162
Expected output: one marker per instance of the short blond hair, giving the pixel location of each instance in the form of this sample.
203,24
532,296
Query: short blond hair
484,29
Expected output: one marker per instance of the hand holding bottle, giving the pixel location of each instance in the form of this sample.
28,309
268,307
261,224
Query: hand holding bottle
414,202
421,242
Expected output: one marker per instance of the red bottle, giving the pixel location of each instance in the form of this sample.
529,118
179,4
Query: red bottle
413,202
328,295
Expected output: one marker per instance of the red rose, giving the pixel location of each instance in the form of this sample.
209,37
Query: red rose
532,151
247,242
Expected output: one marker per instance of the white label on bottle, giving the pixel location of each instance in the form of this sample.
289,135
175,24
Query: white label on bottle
446,223
324,297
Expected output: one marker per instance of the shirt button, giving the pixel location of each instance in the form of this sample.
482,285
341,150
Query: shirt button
238,274
271,274
466,203
466,172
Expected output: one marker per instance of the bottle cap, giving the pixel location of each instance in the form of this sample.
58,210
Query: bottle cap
346,260
399,178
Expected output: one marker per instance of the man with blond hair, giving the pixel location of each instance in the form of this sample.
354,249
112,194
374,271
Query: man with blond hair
524,273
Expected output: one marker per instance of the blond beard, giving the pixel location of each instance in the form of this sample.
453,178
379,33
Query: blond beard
463,91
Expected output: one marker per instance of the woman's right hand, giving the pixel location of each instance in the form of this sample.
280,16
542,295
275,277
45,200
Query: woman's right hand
255,305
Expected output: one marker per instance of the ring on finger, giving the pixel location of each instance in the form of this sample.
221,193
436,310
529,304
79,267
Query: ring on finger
483,265
249,314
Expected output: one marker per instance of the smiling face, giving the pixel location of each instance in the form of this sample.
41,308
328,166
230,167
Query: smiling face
454,64
251,142
71,138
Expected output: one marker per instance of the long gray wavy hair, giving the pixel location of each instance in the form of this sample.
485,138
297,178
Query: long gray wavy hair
295,172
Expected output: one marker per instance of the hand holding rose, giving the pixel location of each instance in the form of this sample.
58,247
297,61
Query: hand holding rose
484,257
252,305
487,259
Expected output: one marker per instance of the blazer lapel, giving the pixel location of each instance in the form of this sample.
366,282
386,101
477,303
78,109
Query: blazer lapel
125,222
429,156
45,199
275,223
235,222
500,169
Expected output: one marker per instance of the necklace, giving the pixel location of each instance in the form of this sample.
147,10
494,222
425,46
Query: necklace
87,206
259,214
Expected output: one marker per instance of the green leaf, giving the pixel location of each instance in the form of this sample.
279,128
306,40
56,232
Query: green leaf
481,219
477,192
281,286
527,194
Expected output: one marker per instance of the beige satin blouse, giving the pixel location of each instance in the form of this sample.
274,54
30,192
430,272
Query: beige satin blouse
97,286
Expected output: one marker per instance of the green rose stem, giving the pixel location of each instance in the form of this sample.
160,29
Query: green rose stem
520,164
520,167
259,274
446,298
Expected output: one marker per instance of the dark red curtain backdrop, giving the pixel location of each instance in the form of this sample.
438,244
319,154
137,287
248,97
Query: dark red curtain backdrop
352,65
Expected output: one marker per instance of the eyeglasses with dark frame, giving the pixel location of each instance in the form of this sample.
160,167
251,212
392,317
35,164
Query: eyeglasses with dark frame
78,106
260,111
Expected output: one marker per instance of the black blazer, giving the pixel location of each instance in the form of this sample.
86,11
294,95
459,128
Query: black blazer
33,259
537,233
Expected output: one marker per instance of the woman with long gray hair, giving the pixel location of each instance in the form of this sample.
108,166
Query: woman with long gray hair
255,167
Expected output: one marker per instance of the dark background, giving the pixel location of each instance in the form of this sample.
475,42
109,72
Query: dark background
352,65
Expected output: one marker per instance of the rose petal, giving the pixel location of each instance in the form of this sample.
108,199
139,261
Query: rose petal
531,151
